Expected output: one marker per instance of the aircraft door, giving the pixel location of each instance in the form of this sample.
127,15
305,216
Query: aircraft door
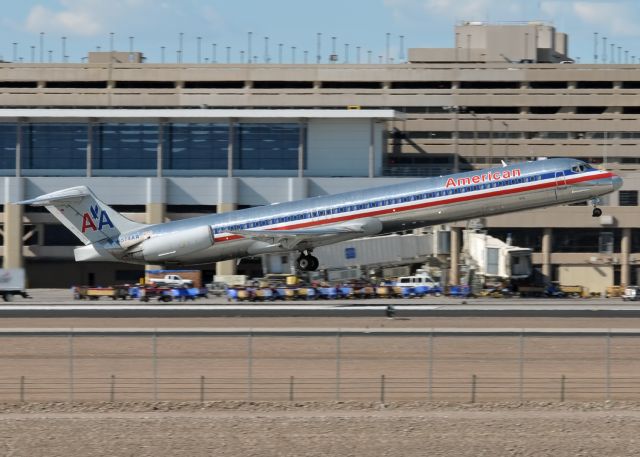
562,189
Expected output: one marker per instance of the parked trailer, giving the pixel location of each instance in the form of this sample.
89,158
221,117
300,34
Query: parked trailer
94,293
12,282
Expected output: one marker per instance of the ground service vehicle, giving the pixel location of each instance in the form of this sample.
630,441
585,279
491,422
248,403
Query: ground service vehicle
171,281
12,282
631,293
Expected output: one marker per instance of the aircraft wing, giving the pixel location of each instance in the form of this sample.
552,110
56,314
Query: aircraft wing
306,238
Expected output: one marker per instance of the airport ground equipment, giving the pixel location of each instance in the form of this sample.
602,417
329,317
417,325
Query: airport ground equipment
12,282
94,293
631,293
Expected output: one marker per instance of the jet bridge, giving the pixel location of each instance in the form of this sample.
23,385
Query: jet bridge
493,258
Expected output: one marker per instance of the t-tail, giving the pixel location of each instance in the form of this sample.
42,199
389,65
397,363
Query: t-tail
90,219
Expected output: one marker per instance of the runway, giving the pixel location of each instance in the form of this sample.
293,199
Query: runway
59,303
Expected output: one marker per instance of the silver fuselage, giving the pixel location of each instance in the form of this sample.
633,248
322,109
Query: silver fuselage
398,207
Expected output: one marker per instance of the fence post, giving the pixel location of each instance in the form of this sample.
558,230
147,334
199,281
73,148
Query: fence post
430,368
154,344
71,393
474,382
201,389
608,366
112,389
21,389
521,369
562,388
250,366
291,388
338,356
382,387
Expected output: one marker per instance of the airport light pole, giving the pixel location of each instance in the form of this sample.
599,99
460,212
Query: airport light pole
386,57
318,47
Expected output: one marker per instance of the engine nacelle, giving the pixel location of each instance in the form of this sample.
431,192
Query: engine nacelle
172,246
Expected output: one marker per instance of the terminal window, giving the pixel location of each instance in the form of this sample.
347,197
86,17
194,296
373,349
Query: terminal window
54,146
125,146
8,147
628,197
266,146
195,146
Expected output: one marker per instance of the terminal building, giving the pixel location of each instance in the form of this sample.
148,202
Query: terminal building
164,141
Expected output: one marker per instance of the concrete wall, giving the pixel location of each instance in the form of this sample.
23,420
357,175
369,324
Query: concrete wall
341,147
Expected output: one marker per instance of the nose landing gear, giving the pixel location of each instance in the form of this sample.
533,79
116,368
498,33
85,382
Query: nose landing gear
307,262
597,212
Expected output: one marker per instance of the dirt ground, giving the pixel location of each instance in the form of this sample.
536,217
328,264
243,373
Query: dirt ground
345,429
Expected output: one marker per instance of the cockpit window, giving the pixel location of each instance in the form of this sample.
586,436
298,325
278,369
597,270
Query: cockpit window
579,168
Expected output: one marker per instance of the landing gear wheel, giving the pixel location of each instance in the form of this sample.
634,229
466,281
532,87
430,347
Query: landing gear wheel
308,263
597,212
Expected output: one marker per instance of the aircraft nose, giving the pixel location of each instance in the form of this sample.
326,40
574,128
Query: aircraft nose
616,182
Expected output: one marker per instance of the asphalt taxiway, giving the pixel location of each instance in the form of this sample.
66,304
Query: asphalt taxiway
59,303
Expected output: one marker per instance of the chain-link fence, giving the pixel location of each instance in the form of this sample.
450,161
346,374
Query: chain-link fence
319,364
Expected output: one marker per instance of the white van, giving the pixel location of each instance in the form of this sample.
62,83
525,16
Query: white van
631,293
420,279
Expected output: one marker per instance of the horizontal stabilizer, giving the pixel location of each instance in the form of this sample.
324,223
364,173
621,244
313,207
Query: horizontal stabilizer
72,194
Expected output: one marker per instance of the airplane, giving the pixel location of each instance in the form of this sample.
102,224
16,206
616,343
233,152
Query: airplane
306,224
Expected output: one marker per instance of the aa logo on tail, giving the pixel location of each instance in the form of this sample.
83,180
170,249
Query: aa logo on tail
96,216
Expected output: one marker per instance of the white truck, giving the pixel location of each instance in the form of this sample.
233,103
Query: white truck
12,282
171,281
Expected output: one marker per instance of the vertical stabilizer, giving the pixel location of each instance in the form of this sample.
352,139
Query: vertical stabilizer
90,219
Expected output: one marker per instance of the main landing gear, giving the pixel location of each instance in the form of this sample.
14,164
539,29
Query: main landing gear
307,262
597,212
